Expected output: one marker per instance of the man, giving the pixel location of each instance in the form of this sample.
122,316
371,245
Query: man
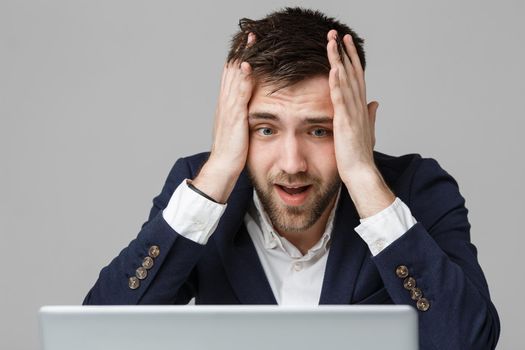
293,206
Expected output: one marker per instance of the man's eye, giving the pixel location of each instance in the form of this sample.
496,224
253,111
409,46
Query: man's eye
320,132
265,131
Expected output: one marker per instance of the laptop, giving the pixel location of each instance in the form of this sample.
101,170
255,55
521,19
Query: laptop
254,327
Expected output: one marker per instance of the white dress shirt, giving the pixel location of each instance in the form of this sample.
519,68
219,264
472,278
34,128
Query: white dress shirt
295,279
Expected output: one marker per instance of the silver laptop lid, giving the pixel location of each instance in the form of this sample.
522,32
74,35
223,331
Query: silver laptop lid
363,327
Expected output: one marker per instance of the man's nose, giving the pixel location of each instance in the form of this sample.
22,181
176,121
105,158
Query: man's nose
292,159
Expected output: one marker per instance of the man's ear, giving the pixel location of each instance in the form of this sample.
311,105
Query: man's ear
372,110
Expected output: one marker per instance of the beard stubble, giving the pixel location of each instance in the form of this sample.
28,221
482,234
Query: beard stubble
287,218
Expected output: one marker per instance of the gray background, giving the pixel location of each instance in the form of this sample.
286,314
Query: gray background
99,98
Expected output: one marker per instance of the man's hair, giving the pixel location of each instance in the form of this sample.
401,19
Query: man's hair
290,46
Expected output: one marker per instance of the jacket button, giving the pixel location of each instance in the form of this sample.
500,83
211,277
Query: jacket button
154,251
147,263
133,282
423,304
409,283
141,273
416,294
402,271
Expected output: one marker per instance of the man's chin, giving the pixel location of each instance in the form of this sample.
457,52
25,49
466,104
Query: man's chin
286,221
291,218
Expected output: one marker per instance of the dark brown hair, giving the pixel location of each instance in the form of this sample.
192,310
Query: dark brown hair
290,45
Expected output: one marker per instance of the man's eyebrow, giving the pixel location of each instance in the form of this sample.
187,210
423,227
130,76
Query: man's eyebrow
263,115
308,120
319,120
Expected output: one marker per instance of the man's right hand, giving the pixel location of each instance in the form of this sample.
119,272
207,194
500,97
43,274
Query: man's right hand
230,133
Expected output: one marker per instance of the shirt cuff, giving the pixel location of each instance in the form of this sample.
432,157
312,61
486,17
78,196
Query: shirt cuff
192,215
383,228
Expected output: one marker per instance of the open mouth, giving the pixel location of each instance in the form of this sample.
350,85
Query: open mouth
294,196
294,190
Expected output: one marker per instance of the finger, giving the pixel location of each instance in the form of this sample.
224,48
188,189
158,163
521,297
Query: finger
245,84
227,77
332,34
251,39
352,51
353,91
246,69
333,55
356,63
249,42
335,60
230,75
336,94
343,78
333,48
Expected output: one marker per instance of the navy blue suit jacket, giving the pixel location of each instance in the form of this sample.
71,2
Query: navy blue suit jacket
437,251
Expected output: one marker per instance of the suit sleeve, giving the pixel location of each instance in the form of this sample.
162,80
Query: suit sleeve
436,253
172,259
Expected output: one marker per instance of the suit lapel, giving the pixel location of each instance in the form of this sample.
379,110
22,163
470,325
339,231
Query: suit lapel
239,257
346,256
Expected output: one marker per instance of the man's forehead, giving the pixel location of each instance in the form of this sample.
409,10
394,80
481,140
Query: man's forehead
316,84
308,101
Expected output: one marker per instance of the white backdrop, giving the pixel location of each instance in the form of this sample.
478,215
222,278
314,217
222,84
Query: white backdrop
99,98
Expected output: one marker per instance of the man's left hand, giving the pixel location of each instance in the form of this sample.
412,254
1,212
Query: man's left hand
354,129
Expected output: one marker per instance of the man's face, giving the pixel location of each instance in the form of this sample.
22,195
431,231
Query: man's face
291,157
